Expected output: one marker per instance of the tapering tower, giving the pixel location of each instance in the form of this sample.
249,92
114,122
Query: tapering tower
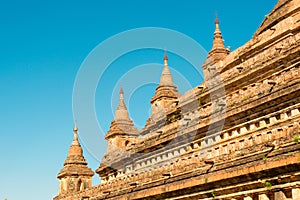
121,134
122,130
216,54
218,51
75,175
166,92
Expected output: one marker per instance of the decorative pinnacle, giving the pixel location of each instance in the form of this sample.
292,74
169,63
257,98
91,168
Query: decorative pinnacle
165,58
121,96
217,19
166,78
121,112
75,129
121,89
165,55
218,40
218,51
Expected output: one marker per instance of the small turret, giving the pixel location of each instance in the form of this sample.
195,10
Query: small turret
121,134
166,91
216,54
75,175
122,129
218,51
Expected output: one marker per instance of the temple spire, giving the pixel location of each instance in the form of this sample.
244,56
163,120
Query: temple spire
75,127
75,131
122,124
165,58
75,165
166,77
218,51
121,112
166,92
218,39
75,149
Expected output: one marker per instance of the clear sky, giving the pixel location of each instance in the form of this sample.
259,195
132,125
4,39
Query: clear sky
42,46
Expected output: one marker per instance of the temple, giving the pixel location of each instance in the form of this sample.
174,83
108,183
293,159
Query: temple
235,136
75,175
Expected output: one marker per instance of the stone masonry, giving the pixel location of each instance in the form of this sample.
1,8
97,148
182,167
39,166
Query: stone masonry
233,137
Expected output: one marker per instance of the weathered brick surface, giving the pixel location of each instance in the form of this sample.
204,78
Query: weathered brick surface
235,136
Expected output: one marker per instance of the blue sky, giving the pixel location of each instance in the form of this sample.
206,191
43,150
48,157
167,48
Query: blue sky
42,46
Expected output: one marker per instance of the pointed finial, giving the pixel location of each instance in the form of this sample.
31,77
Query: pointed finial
165,55
218,51
121,93
75,129
165,58
217,19
121,89
121,112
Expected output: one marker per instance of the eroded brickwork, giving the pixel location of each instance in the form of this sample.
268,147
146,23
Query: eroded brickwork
235,136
